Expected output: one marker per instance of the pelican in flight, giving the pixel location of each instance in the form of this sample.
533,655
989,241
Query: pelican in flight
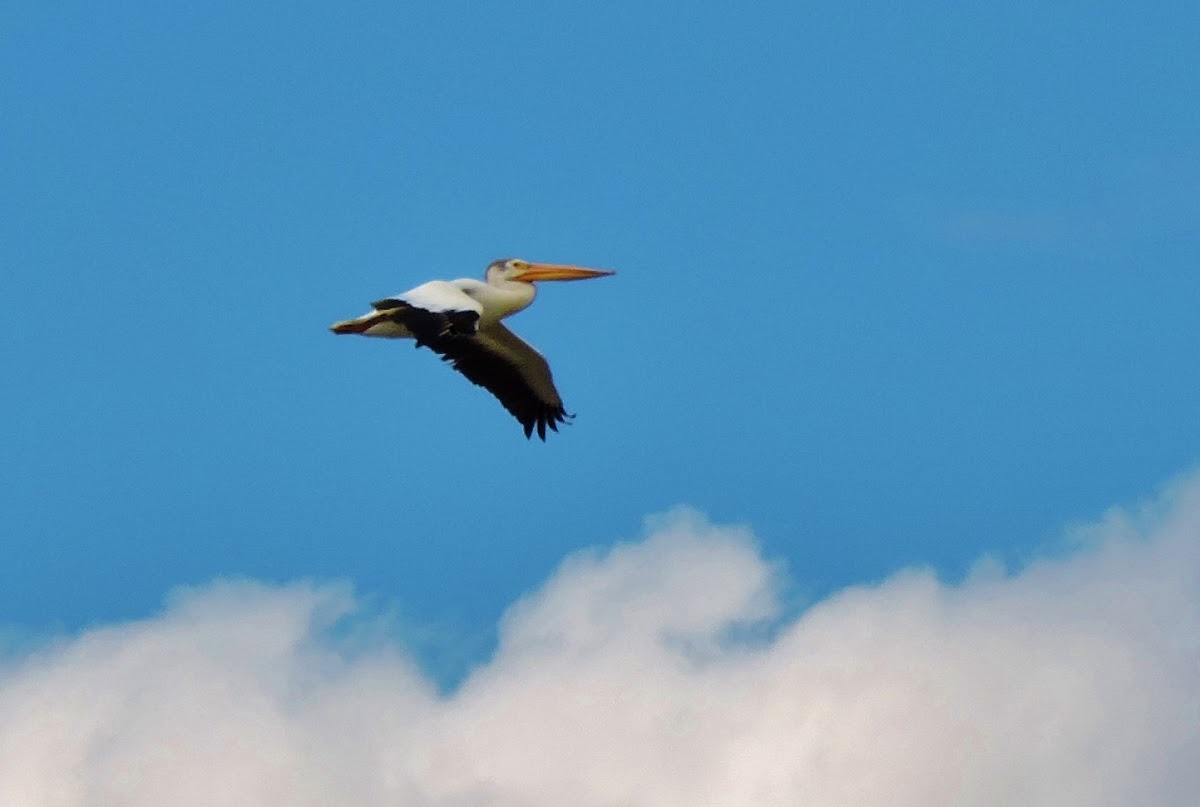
460,321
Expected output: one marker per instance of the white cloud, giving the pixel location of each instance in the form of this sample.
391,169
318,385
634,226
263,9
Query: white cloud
619,682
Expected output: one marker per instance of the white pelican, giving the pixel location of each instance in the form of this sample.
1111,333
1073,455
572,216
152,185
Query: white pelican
460,320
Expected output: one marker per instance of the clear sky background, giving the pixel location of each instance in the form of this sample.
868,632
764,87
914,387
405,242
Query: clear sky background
899,284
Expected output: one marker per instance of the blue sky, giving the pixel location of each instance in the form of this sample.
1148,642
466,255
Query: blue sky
895,286
898,284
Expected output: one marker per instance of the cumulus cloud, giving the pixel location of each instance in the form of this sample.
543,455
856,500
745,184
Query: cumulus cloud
636,676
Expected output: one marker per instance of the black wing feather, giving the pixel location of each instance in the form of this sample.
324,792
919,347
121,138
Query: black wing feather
486,360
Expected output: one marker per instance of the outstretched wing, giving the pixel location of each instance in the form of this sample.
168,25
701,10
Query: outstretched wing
502,363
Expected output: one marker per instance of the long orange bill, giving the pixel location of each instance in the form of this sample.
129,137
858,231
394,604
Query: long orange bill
556,271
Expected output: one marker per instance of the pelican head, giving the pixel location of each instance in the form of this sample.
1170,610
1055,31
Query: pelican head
527,272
